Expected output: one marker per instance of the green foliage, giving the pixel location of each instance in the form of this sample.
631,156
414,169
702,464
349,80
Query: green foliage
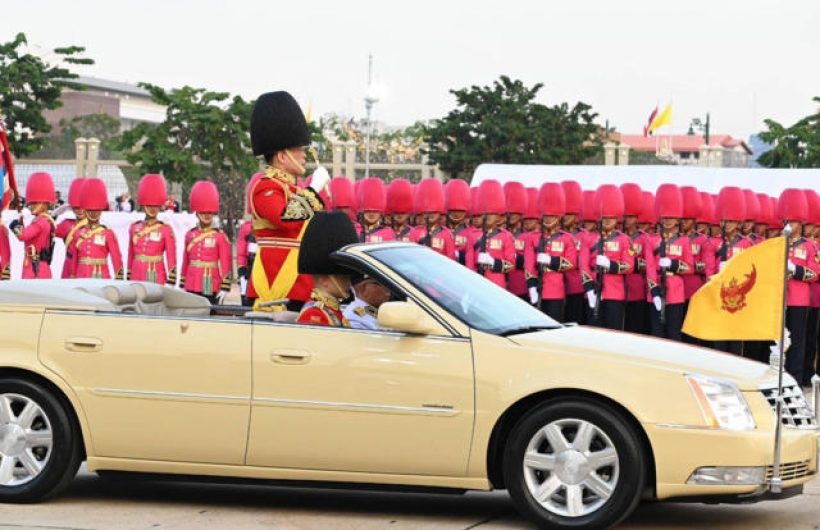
101,126
797,146
205,135
28,86
502,123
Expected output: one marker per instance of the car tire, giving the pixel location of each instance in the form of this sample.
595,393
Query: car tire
40,447
574,463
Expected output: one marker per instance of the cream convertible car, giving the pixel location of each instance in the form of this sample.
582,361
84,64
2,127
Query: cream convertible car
468,388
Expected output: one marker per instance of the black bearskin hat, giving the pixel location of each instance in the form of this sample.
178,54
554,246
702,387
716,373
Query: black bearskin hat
326,233
277,123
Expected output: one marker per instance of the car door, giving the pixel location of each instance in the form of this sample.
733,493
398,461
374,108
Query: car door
361,401
156,388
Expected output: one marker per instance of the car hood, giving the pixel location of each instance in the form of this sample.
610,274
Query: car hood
650,352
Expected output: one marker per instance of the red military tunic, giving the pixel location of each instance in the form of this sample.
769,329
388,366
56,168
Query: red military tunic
206,263
440,240
575,284
703,260
636,280
246,247
404,234
803,254
91,249
678,249
67,230
727,249
520,273
464,238
5,254
815,286
377,235
280,209
38,241
616,248
147,244
560,248
500,245
322,310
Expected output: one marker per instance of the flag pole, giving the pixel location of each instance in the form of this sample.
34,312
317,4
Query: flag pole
776,482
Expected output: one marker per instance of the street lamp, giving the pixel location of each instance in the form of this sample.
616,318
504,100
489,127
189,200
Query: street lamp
370,99
699,125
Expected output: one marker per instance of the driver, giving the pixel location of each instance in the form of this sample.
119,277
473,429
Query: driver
369,295
326,233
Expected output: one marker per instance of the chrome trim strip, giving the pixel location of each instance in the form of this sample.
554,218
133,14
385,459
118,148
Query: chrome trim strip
436,410
682,426
116,392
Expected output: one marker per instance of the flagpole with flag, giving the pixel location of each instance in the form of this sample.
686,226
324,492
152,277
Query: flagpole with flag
8,185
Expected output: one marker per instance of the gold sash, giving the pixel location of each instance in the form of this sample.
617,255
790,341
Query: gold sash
284,281
145,231
70,236
199,238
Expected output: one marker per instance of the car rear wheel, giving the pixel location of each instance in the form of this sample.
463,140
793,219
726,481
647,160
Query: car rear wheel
39,448
574,464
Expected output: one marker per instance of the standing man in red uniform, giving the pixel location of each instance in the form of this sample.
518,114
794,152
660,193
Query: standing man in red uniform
517,279
429,202
668,261
372,204
636,310
151,242
574,307
67,228
206,262
495,250
400,204
95,243
38,236
554,250
279,206
457,202
610,261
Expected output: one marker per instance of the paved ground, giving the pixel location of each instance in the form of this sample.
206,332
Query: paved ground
95,503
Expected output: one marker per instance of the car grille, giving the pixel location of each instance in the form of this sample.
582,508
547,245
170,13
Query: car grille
796,411
790,471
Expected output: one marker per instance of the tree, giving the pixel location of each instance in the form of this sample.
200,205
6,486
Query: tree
797,146
205,135
101,126
502,123
28,86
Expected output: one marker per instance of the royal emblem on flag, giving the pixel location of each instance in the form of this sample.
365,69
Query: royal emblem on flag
733,295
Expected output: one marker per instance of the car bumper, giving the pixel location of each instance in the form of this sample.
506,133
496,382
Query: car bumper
679,451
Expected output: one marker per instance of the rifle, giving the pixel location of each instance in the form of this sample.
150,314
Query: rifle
599,274
662,250
482,243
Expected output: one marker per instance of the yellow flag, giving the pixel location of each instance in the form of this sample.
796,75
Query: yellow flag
745,300
664,118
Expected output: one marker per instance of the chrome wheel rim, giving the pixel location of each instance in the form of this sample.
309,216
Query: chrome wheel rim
25,440
571,467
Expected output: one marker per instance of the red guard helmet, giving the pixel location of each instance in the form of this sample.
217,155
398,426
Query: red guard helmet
532,203
400,196
648,210
474,201
731,204
609,201
572,196
813,200
457,195
766,212
707,209
40,188
551,200
516,195
341,193
204,197
491,198
95,194
752,205
429,196
793,206
692,202
75,193
372,195
668,201
774,222
633,199
152,190
587,211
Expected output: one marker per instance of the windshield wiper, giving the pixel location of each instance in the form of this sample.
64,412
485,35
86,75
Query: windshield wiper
527,329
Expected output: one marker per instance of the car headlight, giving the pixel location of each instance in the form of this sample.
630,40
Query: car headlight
722,403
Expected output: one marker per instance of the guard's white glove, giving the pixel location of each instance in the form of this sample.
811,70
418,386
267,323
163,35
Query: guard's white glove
220,297
721,266
602,261
658,303
485,259
791,266
319,179
664,262
533,295
591,299
253,248
774,349
542,259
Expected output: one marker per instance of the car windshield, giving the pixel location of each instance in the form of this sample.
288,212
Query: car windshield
476,301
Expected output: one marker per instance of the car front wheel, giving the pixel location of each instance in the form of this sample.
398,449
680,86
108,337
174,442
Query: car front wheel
39,448
574,464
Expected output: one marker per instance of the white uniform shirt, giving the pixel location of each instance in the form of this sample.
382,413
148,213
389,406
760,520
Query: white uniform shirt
361,315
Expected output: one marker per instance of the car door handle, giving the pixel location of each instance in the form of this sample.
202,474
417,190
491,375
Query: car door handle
290,357
83,344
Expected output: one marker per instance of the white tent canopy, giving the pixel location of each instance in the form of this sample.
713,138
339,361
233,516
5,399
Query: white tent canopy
770,181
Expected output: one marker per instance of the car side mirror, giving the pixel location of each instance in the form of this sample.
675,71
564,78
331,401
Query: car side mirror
408,317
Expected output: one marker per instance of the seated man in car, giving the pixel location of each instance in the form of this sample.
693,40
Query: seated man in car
369,294
326,233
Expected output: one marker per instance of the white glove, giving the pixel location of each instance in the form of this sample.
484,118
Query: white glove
485,259
220,297
602,261
721,266
591,299
664,262
319,179
533,295
253,248
658,303
791,266
775,348
542,259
